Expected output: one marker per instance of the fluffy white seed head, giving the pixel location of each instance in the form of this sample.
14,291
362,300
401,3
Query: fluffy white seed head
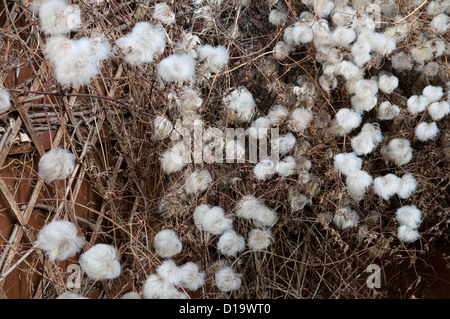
248,206
101,262
407,234
361,52
347,163
58,17
348,70
157,288
215,222
173,160
198,181
190,276
163,13
230,243
387,83
366,87
226,279
400,151
259,239
409,216
420,54
440,23
265,217
277,114
167,244
131,295
387,111
56,165
357,182
70,295
343,36
5,100
189,102
363,103
366,141
386,186
177,68
401,61
407,186
199,215
162,127
300,119
301,33
264,169
215,57
286,167
59,240
284,143
143,44
426,131
417,104
169,271
345,218
276,17
281,50
433,93
241,101
439,110
348,119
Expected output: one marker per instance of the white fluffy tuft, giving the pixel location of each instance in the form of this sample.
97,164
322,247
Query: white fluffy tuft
345,218
241,101
265,217
440,23
433,93
417,104
230,243
348,119
167,244
284,143
59,240
277,114
426,131
177,68
259,128
286,167
173,160
101,262
387,83
357,182
226,279
347,163
58,17
56,165
199,215
276,17
439,110
143,44
157,288
264,169
163,13
190,276
300,119
387,111
399,150
248,206
5,100
259,239
214,57
407,186
169,272
198,181
342,36
407,235
215,222
386,186
409,216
